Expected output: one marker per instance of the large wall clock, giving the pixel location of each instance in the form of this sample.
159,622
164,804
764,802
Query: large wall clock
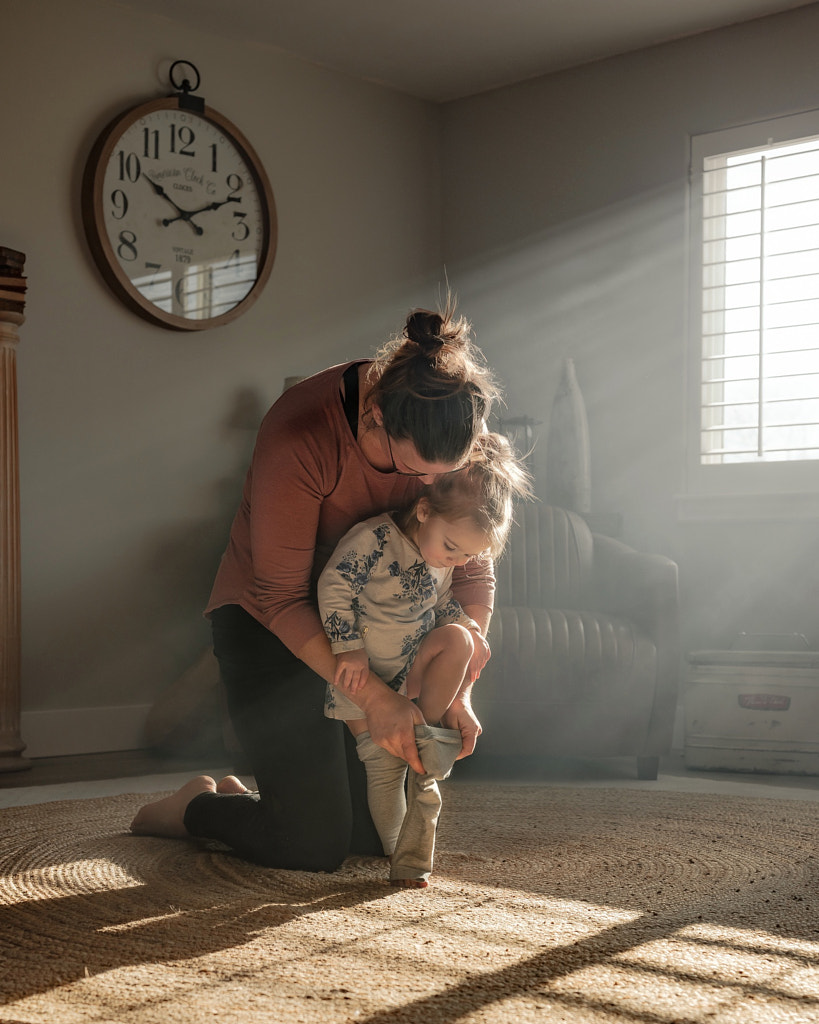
179,213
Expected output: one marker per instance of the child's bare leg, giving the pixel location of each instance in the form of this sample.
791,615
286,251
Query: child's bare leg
438,671
165,817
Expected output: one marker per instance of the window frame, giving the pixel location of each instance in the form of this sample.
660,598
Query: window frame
742,490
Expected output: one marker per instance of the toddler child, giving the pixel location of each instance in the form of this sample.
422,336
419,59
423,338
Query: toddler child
386,605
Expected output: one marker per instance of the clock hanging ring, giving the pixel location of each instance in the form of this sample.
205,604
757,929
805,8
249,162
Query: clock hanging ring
179,213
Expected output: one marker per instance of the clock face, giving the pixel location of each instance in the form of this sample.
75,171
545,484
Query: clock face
179,215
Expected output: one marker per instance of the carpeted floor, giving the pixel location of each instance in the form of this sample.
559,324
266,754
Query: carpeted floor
548,904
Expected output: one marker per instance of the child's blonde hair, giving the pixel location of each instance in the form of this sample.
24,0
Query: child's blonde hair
484,491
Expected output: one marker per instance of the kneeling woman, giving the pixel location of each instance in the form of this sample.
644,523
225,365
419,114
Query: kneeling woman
352,441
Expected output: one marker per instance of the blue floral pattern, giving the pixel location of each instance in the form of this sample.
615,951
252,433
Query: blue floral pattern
338,629
416,583
449,611
409,648
356,570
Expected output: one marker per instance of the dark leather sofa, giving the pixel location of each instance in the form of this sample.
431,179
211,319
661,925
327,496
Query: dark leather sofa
585,646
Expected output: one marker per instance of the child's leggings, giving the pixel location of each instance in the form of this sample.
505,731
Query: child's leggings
407,825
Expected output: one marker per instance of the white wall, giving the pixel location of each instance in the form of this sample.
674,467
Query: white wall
565,221
134,439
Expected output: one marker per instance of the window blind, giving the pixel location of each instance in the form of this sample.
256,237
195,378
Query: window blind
760,304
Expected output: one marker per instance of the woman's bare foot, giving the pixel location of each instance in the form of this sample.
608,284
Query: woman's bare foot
165,817
230,784
409,883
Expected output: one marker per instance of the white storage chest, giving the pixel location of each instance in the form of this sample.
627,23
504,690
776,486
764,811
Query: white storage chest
753,711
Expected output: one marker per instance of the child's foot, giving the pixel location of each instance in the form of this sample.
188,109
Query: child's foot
409,883
165,817
230,784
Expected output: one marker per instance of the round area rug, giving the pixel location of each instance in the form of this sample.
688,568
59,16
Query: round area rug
546,904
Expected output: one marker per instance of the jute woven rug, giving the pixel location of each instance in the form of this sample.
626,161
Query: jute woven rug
547,904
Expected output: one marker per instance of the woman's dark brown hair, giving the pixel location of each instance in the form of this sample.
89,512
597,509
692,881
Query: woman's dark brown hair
433,386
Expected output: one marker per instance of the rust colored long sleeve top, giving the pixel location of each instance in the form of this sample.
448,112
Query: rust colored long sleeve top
307,484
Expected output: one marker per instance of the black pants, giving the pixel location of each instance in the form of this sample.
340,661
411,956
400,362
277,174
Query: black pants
311,808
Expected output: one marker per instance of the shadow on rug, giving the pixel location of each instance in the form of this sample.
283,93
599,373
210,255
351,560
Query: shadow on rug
547,904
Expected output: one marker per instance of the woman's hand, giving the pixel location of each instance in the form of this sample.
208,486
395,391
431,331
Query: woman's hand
391,719
352,669
481,617
479,658
460,716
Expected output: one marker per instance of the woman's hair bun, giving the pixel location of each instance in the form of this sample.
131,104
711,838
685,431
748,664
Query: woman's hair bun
425,328
432,385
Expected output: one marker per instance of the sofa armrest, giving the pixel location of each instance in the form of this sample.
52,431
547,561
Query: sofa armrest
645,588
639,586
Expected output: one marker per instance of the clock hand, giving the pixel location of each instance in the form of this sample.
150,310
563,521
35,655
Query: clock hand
183,214
160,191
215,206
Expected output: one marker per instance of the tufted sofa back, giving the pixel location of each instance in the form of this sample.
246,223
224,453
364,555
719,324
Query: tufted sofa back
548,561
584,643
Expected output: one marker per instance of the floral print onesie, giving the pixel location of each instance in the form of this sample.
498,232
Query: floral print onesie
377,592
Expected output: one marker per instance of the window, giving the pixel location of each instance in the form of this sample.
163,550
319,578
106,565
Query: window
755,307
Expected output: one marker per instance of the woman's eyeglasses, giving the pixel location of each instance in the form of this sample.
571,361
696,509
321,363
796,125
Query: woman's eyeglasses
413,472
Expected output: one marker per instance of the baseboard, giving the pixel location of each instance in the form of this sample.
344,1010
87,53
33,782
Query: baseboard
59,733
66,731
